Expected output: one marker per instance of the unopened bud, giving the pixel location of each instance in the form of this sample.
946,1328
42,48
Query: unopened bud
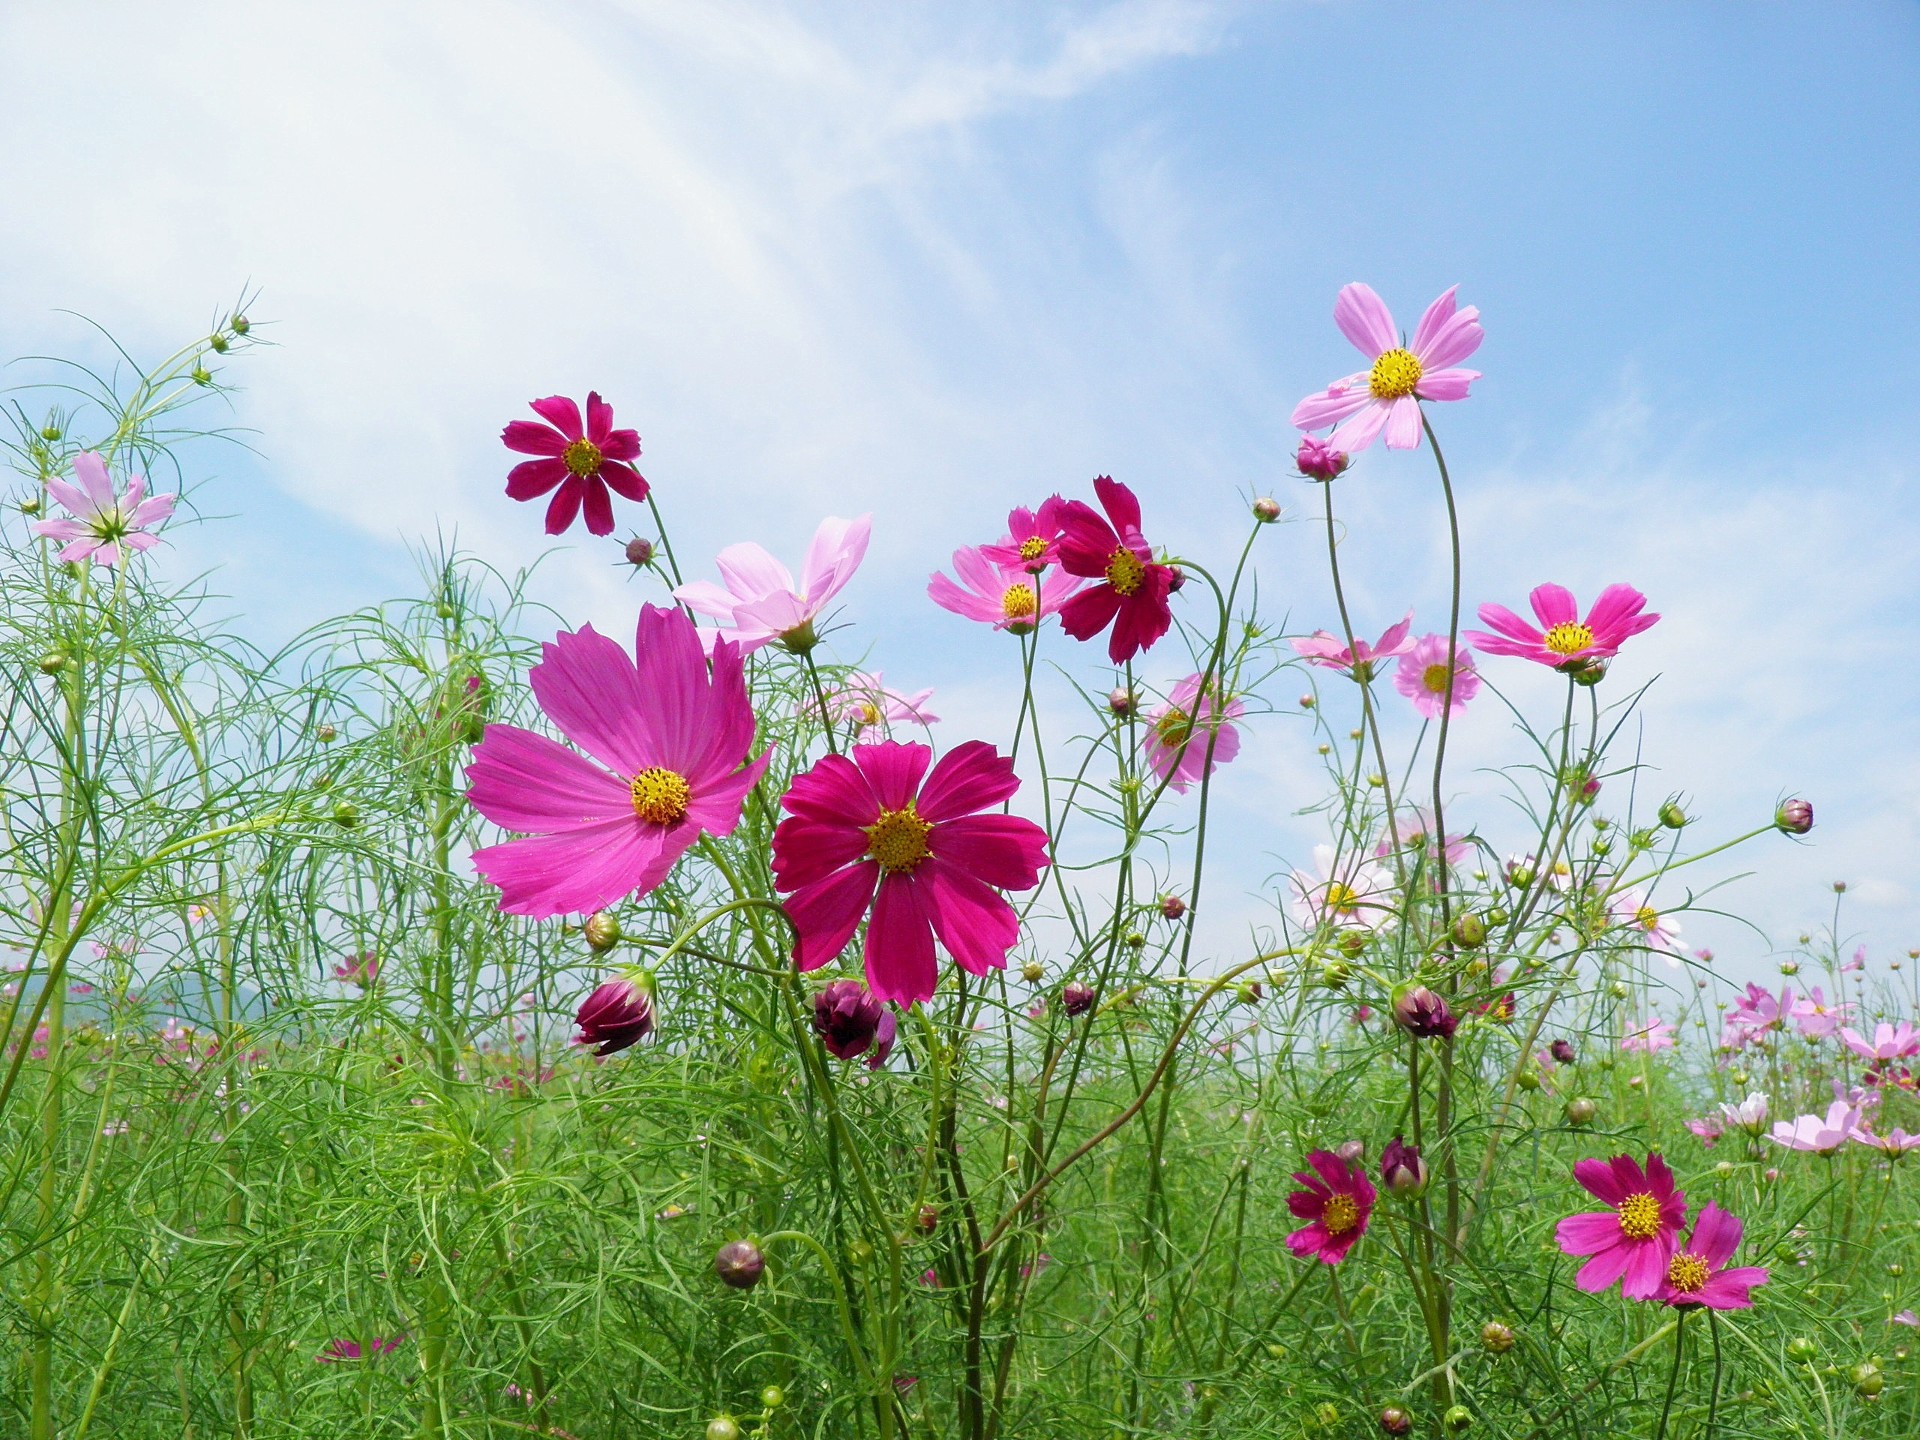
926,1219
217,343
740,1264
1176,578
1672,816
1457,1420
1306,702
240,325
1266,510
1033,972
602,930
1469,931
50,433
1800,1349
1402,1170
30,505
1580,1111
1795,817
1172,907
639,553
1423,1014
1121,701
1496,1338
1839,887
1351,1151
53,662
200,375
1394,1420
346,815
325,734
1076,999
723,1427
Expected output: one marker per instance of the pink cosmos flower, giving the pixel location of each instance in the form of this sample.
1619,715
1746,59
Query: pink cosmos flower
1337,1202
671,741
870,708
1889,1042
1857,963
1132,589
1893,1144
1415,829
1005,596
759,601
1423,677
1820,1134
875,830
101,525
1649,1037
1192,734
1033,538
362,969
1328,651
1634,1239
1387,396
582,461
1817,1019
1347,891
1659,933
1707,1130
1754,1014
1564,640
1749,1115
338,1350
1698,1273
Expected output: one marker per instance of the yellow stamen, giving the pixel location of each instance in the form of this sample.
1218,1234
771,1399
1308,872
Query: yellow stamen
898,839
1032,548
1019,602
1687,1272
1435,677
1640,1216
1340,1215
1173,728
1569,639
1394,375
582,457
1124,571
1647,918
867,714
1342,899
660,797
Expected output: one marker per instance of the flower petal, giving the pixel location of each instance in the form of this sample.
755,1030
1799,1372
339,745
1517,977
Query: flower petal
561,413
525,782
574,872
827,912
1364,319
974,922
587,686
899,951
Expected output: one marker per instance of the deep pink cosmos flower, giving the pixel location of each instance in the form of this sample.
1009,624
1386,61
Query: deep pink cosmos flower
1337,1202
102,526
1387,395
1317,460
1005,596
1563,640
1888,1043
617,1015
1698,1273
869,709
1033,538
1192,733
1817,1019
760,601
1328,651
874,828
671,741
848,1020
1133,588
1424,677
583,461
338,1350
1633,1239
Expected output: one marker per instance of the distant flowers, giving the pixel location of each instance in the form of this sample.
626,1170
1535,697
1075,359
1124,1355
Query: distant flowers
579,462
101,526
1386,396
1816,1017
1658,931
1425,677
869,709
339,1350
1648,1037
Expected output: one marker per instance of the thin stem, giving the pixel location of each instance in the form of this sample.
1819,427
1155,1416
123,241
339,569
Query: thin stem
1673,1375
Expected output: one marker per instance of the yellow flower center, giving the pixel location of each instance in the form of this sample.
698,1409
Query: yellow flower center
1435,677
1647,918
1394,375
1569,639
1341,1215
1019,602
660,797
868,713
1342,898
1032,548
898,839
1687,1272
1173,728
1124,571
582,457
1640,1216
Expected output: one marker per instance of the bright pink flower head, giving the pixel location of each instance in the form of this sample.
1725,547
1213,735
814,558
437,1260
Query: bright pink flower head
1005,596
1033,538
1327,651
1820,1134
1387,395
1889,1042
1634,1238
1423,676
870,709
577,462
1698,1273
876,829
338,1350
1132,589
1191,734
1649,1037
1754,1014
671,740
760,601
362,969
1562,639
1337,1201
1317,460
103,526
1817,1019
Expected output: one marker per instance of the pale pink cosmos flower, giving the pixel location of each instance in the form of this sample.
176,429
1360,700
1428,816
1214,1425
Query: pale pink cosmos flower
1562,639
1749,1115
1817,1019
1858,962
1649,1037
1387,395
1415,830
1424,678
1011,597
1659,933
1192,733
1346,891
871,709
102,526
1821,1135
759,600
1905,1317
1328,651
1889,1042
1033,537
1754,1014
1894,1144
1707,1129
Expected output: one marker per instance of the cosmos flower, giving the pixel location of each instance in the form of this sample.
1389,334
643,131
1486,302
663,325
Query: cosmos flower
101,526
1661,932
1633,1239
1749,1115
579,463
1317,460
848,1020
1649,1037
1894,1144
1754,1014
870,710
1336,1201
1423,677
1817,1019
1033,538
338,1350
759,600
1889,1042
1707,1129
1192,733
1822,1135
1345,891
362,969
1329,651
1131,588
1698,1273
1563,640
1007,597
1387,395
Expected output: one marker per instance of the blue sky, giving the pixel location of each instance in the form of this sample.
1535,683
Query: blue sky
930,261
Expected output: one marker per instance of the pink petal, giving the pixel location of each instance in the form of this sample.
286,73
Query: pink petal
899,951
949,596
827,913
969,778
599,420
1445,384
975,923
1433,321
1716,1235
716,803
530,437
561,413
836,552
1552,605
74,502
587,686
1729,1290
575,872
149,513
1449,343
894,769
531,479
1090,612
1365,320
1332,405
526,782
1587,1234
1646,1269
624,480
62,529
1603,1269
566,505
707,598
1120,503
1360,430
1403,424
672,674
749,572
836,791
597,504
91,471
1598,1179
807,851
621,445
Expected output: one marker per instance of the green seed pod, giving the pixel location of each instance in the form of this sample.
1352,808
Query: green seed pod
346,815
723,1427
773,1397
1800,1350
1672,816
53,662
1469,931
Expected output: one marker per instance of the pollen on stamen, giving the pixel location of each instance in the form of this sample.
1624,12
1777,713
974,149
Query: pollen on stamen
1435,677
898,839
1569,639
1032,548
1640,1216
1340,1215
1019,602
660,797
1687,1272
582,457
1125,571
1394,375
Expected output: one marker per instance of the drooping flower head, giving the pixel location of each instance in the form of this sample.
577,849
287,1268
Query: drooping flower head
1894,1144
1819,1134
618,1014
1425,678
579,463
1424,1014
847,1018
1006,596
1337,1202
1192,733
1698,1273
1132,587
870,710
1562,639
671,742
874,829
1648,1037
1362,660
1633,1239
1387,395
1401,1169
1659,932
759,601
100,525
1033,538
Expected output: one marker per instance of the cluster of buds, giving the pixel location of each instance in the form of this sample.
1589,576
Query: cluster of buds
851,1023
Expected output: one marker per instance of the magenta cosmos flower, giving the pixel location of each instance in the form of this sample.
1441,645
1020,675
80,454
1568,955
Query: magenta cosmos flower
1007,596
671,741
1698,1273
579,463
759,600
1562,639
101,526
1634,1238
876,829
338,1350
1033,538
1425,678
1132,589
1192,733
1337,1202
1328,652
1387,395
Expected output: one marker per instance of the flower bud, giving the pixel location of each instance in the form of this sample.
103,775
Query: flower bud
1839,887
740,1264
1457,1420
325,734
50,433
1587,673
1351,1151
639,553
926,1219
1248,992
602,931
1266,510
1800,1349
1795,817
1135,940
240,325
1496,1338
773,1397
1469,931
1120,701
1076,999
1562,1052
1317,460
1172,907
1395,1421
1868,1382
1423,1014
617,1014
346,815
1033,972
217,344
1176,578
847,1018
1306,702
1580,1111
723,1427
1402,1170
1672,816
1335,975
30,505
53,662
